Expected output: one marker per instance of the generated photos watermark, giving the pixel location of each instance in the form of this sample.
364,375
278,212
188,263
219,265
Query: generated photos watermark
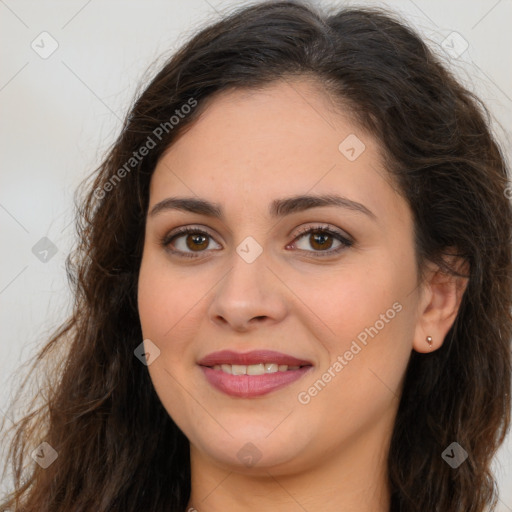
149,144
304,397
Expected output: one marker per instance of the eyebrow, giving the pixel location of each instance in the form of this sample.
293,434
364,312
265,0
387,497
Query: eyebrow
277,208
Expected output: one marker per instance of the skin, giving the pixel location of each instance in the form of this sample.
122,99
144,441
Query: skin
247,149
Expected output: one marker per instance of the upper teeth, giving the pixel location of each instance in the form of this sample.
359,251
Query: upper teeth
254,369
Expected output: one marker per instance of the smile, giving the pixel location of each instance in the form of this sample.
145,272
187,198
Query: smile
252,374
253,369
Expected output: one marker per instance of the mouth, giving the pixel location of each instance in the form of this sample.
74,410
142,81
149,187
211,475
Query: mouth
254,369
252,374
252,358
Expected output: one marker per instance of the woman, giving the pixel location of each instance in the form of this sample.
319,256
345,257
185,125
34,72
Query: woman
292,287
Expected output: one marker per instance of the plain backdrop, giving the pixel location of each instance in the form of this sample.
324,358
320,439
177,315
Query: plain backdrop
60,111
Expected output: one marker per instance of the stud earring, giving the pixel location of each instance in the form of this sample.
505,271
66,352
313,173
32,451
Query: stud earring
429,341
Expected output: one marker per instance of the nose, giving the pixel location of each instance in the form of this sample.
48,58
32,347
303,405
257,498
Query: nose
249,295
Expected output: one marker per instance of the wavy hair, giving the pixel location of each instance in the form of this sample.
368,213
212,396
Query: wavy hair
117,447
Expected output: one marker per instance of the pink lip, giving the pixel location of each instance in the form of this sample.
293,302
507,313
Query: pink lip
247,386
253,357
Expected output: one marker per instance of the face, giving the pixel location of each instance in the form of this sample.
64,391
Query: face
331,287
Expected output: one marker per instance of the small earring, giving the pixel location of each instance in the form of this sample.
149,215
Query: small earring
429,341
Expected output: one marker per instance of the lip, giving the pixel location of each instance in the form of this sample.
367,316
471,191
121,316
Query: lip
249,386
253,357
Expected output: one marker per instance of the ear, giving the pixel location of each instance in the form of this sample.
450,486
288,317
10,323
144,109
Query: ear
441,295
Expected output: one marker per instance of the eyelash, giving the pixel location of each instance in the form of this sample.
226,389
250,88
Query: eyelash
345,242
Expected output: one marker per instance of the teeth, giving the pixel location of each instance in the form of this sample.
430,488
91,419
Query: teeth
254,369
225,368
238,369
271,367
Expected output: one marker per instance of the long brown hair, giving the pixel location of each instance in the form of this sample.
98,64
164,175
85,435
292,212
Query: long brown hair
117,447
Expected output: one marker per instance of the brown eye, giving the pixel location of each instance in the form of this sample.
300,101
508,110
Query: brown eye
187,241
196,241
191,242
321,239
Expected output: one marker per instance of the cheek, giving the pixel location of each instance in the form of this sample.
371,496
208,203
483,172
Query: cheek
172,315
153,300
366,332
347,301
167,314
164,312
165,299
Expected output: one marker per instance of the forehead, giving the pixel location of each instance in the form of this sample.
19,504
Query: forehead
287,138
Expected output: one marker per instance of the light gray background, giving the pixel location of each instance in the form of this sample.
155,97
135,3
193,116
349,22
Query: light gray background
59,114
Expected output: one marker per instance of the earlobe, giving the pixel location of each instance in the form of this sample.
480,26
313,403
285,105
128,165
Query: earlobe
441,299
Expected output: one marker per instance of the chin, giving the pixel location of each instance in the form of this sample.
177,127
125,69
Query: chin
251,449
